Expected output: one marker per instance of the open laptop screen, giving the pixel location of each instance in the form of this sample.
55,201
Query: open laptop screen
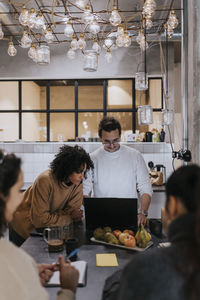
118,213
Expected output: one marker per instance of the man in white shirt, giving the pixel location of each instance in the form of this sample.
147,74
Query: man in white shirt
119,171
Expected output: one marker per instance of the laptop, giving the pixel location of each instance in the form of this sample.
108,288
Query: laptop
118,213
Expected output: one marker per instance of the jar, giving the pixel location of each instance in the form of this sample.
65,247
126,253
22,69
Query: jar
167,116
141,81
43,55
90,61
145,115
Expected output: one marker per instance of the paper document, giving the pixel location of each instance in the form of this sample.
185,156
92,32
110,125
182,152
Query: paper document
106,260
81,265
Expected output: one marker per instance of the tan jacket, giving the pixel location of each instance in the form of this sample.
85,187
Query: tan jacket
46,203
19,277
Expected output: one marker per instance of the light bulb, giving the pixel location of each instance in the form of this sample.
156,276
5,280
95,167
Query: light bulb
107,43
127,39
120,30
12,51
31,18
39,22
81,42
115,18
68,31
71,54
148,23
74,43
24,16
49,36
81,3
1,32
108,56
25,40
120,41
87,17
32,52
96,46
94,27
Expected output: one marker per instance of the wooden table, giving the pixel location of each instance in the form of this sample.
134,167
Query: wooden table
96,276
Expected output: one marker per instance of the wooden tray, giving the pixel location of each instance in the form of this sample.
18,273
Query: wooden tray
121,246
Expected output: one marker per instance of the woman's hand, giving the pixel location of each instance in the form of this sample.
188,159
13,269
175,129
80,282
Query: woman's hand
45,273
68,275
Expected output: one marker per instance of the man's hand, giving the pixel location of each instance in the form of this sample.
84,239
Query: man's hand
77,214
45,273
68,275
142,219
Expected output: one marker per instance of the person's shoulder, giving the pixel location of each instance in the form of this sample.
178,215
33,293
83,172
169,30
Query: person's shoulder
144,261
96,153
44,179
9,250
128,149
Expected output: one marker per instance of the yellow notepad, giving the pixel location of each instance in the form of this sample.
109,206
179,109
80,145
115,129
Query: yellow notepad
106,260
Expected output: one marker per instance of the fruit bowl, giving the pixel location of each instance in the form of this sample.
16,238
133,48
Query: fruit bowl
136,248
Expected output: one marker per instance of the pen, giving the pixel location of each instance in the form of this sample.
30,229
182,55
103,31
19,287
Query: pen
74,252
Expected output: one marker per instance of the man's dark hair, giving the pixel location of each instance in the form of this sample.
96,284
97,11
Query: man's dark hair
10,167
109,124
68,160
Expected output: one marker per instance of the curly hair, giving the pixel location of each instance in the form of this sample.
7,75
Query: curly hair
109,124
10,167
68,160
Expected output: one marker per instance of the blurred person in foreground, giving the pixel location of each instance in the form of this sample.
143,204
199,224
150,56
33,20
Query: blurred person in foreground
172,272
56,196
20,277
119,171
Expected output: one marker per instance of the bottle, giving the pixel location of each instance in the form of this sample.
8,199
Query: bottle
162,136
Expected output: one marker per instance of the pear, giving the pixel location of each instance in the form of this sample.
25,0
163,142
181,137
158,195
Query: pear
99,233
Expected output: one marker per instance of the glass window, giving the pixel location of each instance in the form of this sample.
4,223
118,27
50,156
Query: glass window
90,97
34,127
62,94
9,95
62,126
119,94
88,124
9,128
33,95
125,119
153,96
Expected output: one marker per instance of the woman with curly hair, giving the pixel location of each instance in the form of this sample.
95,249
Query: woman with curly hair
55,198
20,277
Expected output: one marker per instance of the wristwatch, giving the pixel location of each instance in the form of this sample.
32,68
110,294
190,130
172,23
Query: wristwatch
144,212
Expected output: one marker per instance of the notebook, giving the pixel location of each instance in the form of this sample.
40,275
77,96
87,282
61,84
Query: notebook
81,265
114,212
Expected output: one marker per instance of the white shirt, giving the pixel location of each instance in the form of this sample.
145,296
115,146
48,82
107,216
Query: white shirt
120,174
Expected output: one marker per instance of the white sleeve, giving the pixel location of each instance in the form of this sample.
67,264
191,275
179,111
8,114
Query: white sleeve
88,182
142,177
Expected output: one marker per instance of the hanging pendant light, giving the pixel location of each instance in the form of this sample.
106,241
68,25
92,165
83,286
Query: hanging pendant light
68,31
81,41
96,46
167,116
24,16
90,61
115,18
12,51
108,56
43,55
71,54
145,115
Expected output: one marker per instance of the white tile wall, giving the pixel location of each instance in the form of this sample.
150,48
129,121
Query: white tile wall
36,158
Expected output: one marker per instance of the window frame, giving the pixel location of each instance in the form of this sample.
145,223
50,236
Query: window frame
76,110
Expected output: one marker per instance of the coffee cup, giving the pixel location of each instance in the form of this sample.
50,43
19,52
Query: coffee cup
71,244
53,236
